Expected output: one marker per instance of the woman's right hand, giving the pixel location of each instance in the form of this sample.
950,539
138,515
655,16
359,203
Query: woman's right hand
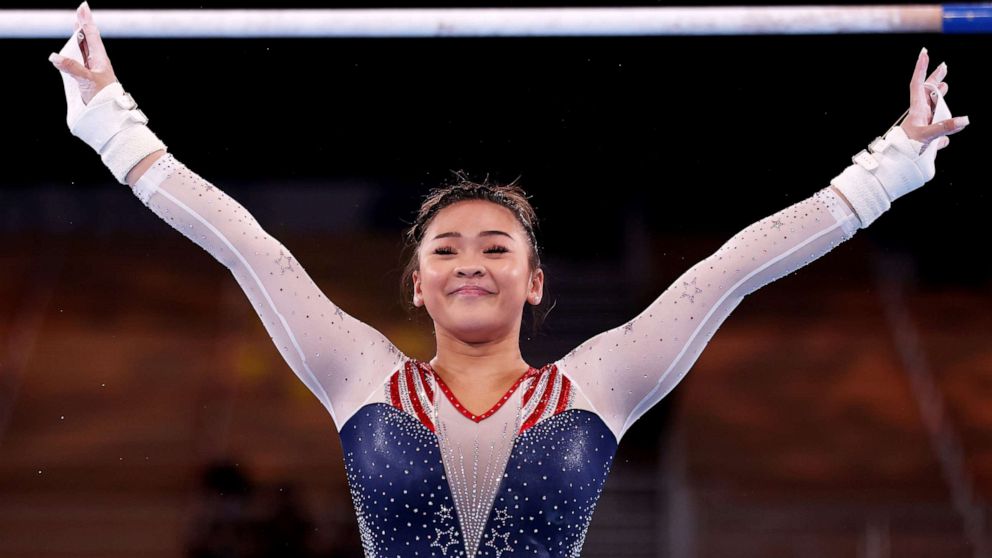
920,123
96,72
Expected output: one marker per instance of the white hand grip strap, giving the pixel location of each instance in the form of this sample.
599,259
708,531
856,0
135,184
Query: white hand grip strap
111,123
110,111
892,167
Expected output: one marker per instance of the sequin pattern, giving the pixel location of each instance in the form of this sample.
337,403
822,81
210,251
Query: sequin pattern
551,486
399,489
532,495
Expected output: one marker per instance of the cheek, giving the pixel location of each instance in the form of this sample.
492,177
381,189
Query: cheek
514,279
431,280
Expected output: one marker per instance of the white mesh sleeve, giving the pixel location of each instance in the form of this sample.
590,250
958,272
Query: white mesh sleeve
625,371
341,359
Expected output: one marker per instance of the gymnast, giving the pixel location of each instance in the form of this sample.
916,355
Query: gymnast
476,452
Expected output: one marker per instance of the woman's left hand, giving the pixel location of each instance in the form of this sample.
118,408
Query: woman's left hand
922,103
94,71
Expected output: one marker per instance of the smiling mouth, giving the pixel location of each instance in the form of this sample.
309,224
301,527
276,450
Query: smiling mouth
472,291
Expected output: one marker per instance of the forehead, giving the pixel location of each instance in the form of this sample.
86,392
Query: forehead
470,216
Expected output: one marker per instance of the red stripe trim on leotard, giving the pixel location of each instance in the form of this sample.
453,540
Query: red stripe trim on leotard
554,389
415,401
421,390
394,390
545,395
530,389
566,387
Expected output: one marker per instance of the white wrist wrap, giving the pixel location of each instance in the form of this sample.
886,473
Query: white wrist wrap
111,123
864,192
892,168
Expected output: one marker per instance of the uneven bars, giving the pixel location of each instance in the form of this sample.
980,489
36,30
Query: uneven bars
507,22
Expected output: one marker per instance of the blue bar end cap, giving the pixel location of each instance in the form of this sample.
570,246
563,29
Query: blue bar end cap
967,18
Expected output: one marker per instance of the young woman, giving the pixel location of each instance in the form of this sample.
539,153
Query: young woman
476,452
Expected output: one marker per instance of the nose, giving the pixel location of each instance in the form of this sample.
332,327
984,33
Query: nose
470,271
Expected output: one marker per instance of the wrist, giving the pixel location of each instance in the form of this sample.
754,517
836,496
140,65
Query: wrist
890,168
863,192
139,170
113,125
128,148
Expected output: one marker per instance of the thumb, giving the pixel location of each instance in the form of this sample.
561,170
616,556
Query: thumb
946,127
70,66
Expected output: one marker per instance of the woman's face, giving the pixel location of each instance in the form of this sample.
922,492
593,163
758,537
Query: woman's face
481,244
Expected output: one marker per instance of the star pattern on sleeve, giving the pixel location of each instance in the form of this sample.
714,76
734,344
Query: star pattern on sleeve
690,290
288,265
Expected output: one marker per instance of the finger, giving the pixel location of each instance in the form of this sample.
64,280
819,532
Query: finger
80,15
921,66
943,142
71,67
917,95
97,52
933,81
938,74
943,128
79,21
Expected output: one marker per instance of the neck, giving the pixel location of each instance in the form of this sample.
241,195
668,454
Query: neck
483,365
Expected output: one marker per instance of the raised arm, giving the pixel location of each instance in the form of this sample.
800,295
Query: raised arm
341,359
625,371
338,357
628,369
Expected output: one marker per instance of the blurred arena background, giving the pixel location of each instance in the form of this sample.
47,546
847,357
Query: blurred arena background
840,411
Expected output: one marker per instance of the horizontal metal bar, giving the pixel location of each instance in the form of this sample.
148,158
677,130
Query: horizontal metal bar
503,22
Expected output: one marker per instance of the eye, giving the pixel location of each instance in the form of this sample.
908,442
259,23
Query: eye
446,250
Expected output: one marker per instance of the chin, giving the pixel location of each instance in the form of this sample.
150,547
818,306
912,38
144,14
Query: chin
475,328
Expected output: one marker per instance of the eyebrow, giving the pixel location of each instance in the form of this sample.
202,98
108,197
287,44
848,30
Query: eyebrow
483,233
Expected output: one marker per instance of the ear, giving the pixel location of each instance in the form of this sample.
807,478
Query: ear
536,289
418,294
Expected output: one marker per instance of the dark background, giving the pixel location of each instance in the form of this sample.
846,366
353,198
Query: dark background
697,133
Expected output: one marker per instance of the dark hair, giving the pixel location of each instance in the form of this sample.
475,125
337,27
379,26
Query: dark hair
509,196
